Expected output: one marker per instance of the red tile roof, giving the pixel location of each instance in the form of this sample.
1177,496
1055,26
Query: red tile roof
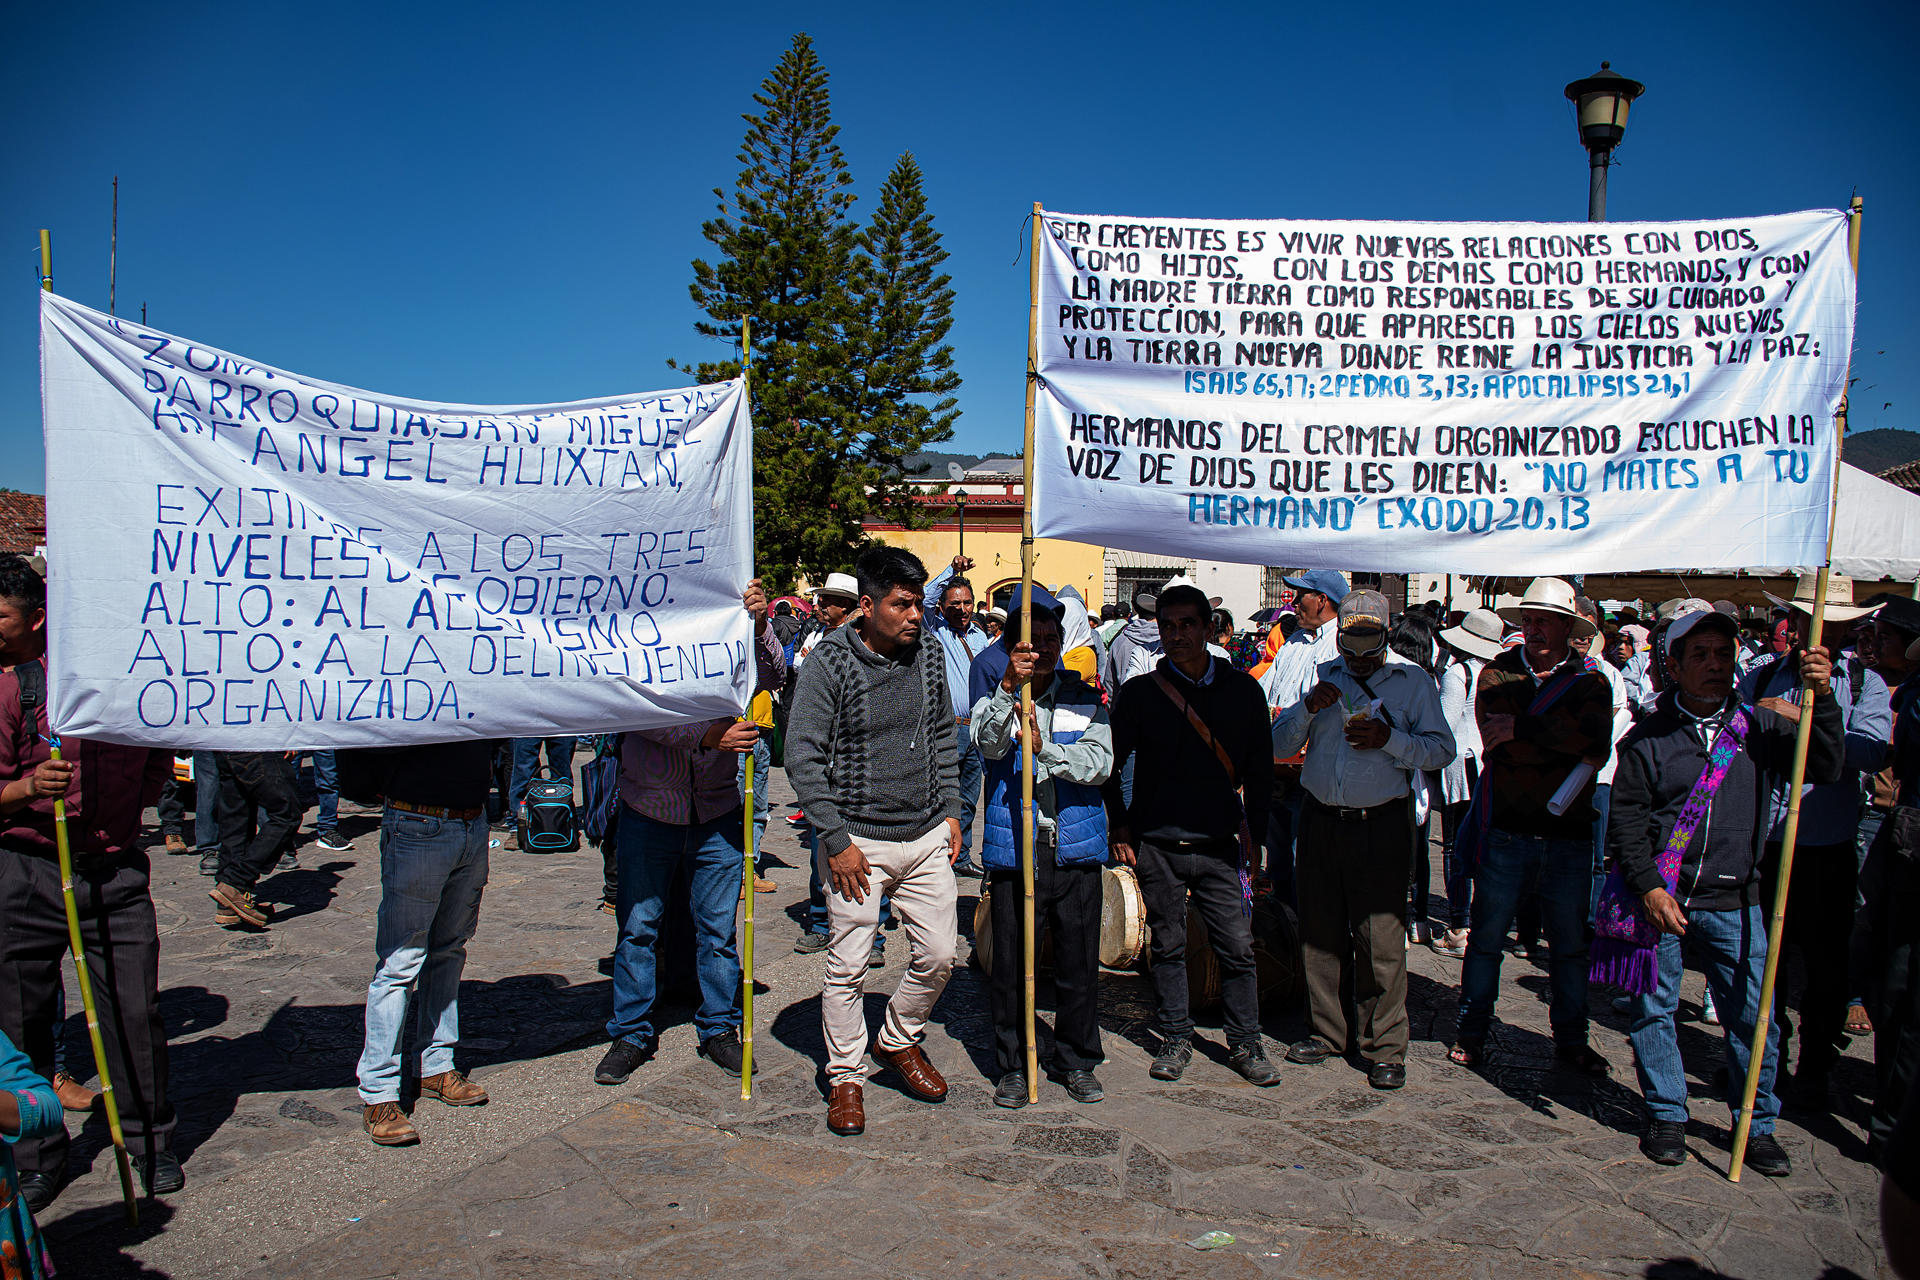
23,522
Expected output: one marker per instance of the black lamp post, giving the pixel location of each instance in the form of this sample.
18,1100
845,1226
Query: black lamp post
1600,102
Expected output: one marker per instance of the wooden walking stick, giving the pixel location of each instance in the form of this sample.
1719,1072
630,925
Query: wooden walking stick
747,872
1027,940
73,917
1763,1016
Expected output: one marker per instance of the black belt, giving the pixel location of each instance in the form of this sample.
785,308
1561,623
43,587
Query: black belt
1346,814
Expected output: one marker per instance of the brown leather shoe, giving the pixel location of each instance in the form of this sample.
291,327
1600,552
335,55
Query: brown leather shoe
388,1125
73,1095
176,845
761,884
452,1088
234,906
846,1113
922,1081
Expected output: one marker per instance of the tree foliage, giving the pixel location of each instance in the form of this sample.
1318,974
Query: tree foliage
848,327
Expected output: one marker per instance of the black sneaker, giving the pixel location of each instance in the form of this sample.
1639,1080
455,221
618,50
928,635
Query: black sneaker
1765,1156
1310,1052
1011,1092
968,867
811,943
726,1052
1250,1060
1081,1086
333,842
877,958
622,1057
289,861
1172,1059
39,1189
161,1174
210,863
1665,1142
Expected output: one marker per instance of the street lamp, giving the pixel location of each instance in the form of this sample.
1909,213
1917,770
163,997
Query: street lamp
1600,103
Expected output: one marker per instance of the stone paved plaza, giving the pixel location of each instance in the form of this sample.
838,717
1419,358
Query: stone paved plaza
1520,1171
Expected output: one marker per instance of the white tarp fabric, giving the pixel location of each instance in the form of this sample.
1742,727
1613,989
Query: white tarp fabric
1876,529
244,558
1501,398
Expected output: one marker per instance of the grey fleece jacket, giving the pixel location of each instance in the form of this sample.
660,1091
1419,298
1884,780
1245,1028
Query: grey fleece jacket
871,749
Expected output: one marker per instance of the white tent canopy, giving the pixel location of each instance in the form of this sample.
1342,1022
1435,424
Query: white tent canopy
1877,533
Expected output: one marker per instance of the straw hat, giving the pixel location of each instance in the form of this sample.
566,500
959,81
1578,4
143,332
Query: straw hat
1550,595
1478,634
840,584
1840,606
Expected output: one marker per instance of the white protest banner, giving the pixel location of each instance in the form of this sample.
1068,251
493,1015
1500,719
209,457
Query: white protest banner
243,558
1501,398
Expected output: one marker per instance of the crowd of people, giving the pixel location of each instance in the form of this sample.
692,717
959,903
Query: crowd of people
1608,792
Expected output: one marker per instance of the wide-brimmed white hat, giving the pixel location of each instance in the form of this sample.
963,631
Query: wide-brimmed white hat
1551,595
1478,634
1840,605
840,584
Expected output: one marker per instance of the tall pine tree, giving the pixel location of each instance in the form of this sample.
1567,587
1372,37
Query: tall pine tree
846,327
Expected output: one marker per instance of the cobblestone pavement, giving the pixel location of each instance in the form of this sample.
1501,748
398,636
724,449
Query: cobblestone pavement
1520,1171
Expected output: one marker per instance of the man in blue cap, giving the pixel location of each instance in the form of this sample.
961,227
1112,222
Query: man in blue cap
1294,671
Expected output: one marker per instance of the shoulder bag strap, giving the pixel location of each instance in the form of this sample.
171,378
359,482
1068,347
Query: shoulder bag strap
1199,726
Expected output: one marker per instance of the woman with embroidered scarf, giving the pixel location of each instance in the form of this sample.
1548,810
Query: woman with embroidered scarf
1684,834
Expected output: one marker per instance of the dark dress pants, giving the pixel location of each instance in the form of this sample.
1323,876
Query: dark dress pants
1066,901
123,960
1820,913
250,780
1353,903
1208,874
1889,941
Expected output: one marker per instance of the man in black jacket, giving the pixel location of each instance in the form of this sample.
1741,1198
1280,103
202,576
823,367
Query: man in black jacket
1182,829
1713,899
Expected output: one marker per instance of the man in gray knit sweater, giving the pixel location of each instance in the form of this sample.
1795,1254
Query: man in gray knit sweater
872,757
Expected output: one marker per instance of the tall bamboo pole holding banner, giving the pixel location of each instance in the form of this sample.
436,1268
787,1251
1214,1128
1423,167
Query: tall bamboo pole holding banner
747,869
1763,1017
111,1107
1028,942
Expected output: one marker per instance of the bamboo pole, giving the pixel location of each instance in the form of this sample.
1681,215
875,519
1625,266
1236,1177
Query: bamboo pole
1028,944
1763,1015
747,871
109,1104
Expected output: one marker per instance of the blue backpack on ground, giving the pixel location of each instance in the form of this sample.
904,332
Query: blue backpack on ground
546,817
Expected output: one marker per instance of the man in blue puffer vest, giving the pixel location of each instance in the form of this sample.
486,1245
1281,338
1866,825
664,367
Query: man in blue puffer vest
1073,757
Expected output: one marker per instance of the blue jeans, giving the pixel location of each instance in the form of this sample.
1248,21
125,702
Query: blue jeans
650,852
1562,871
762,762
526,758
971,769
1602,803
1733,948
432,873
326,785
206,801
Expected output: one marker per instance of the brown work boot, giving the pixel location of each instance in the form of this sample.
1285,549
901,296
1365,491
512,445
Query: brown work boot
388,1125
452,1088
761,884
235,906
922,1081
176,845
846,1114
73,1095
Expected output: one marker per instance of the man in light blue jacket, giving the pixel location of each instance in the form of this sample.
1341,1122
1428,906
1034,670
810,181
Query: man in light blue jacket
1370,720
1073,757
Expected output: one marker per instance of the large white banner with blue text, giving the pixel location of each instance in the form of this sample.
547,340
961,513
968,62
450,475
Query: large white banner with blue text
244,558
1498,398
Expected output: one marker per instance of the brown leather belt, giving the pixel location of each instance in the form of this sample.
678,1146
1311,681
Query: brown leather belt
437,811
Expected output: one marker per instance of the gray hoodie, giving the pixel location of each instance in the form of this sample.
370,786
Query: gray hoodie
871,748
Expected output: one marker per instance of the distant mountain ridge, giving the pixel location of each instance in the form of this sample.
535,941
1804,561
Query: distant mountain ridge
1876,451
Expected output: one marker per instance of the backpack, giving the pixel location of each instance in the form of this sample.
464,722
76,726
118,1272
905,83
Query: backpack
546,817
600,791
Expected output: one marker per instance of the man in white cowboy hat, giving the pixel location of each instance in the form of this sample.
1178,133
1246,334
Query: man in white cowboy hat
1546,726
1820,901
1474,643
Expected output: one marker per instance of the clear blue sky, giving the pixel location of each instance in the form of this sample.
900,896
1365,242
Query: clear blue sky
493,203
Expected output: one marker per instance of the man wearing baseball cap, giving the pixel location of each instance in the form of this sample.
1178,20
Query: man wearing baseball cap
1370,721
1546,725
1690,812
1820,901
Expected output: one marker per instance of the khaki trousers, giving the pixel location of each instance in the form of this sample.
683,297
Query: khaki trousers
918,876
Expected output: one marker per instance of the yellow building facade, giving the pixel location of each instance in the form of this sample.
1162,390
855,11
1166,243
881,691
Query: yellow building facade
990,535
